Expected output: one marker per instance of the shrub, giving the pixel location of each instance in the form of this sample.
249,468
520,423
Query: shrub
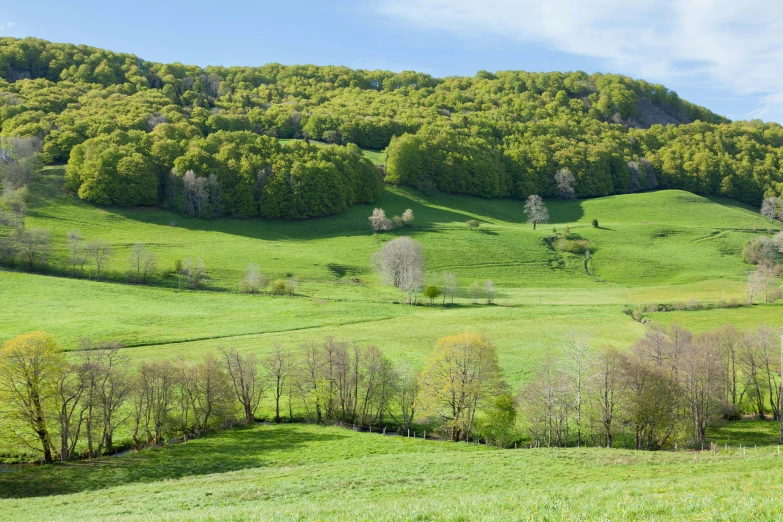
595,223
279,287
432,292
472,224
407,217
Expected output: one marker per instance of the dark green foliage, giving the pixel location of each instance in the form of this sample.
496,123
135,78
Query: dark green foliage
595,223
501,134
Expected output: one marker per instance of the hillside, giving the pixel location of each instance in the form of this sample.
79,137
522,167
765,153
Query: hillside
316,473
138,127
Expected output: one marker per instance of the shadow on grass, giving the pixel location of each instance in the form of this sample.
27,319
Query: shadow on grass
231,450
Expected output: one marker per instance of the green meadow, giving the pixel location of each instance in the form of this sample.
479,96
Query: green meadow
294,472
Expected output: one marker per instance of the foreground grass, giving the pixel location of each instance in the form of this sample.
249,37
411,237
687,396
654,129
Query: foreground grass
315,473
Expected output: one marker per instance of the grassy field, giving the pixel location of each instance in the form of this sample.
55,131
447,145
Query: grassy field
318,473
655,247
673,244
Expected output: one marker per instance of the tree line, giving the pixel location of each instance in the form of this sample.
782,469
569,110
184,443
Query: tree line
505,134
666,389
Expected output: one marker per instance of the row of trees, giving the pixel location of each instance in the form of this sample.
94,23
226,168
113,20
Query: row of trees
667,388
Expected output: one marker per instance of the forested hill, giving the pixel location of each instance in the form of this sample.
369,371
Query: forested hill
205,140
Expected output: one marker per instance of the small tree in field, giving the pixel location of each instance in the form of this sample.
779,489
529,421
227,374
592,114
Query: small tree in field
472,224
449,281
536,210
400,263
489,290
432,292
407,217
254,281
379,222
475,291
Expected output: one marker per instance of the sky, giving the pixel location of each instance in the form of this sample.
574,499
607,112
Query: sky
726,55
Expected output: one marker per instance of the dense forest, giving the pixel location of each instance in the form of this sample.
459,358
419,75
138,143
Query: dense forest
205,141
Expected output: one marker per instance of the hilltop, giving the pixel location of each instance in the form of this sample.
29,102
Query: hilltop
130,131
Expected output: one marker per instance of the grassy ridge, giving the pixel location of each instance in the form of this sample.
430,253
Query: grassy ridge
296,472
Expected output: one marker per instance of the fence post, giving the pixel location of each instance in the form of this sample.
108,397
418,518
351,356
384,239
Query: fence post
425,433
384,430
409,432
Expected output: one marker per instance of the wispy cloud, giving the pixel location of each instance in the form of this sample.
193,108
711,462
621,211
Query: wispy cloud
731,45
6,26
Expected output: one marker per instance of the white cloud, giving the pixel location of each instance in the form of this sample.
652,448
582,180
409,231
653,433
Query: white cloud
732,45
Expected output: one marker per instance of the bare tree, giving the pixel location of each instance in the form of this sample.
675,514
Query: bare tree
489,290
406,393
213,395
564,184
69,389
475,291
33,243
246,381
400,263
536,210
254,281
771,208
107,388
196,194
78,257
100,251
605,389
194,272
578,363
450,286
142,262
278,368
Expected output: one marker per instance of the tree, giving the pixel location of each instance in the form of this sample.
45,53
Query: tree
278,368
246,381
472,224
142,262
378,221
407,217
69,390
489,290
78,258
564,184
254,281
578,362
536,211
33,244
450,286
400,263
771,207
605,390
432,292
100,251
475,291
213,396
458,377
194,272
107,389
30,367
278,287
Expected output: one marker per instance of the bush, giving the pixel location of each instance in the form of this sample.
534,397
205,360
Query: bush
432,292
279,287
595,223
774,294
472,224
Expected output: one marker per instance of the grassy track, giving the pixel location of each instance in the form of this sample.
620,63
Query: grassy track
316,473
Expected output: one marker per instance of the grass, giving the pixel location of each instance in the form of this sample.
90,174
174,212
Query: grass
317,473
655,247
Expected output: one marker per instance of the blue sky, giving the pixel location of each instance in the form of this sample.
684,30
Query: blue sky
724,54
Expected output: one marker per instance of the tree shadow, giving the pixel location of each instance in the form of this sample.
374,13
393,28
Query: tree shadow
231,450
